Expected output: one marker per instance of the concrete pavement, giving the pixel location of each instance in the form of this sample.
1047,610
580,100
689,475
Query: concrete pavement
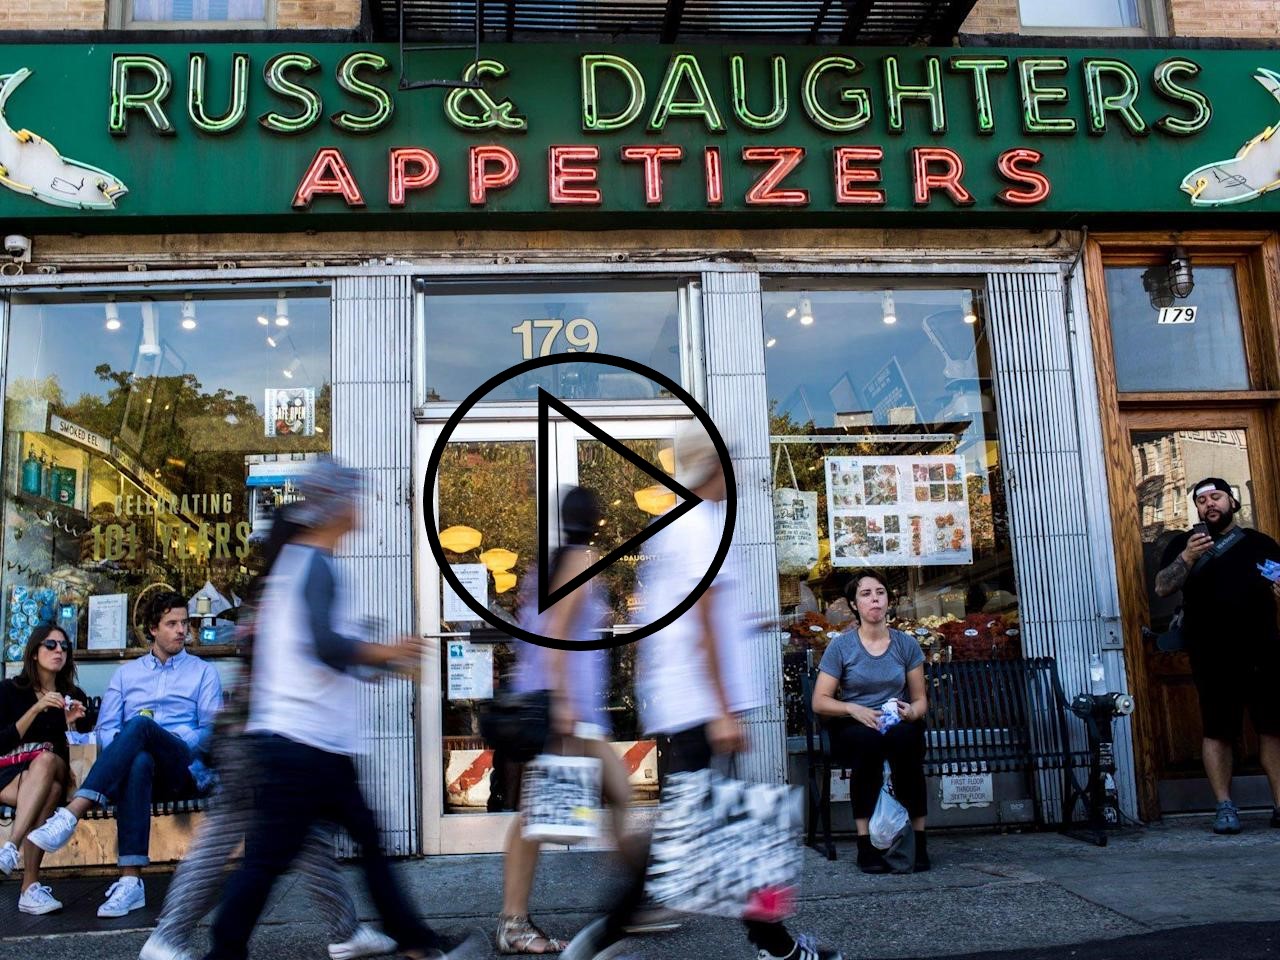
1169,891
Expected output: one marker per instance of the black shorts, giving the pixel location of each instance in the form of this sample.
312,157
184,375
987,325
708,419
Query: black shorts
1225,695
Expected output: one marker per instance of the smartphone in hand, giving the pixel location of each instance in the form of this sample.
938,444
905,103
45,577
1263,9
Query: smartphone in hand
1200,528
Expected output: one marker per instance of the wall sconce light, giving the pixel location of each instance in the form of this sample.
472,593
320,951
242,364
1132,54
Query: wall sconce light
806,312
282,310
966,308
113,313
888,311
188,313
1165,283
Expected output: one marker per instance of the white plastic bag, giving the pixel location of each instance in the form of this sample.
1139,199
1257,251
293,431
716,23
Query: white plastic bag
795,523
890,817
560,799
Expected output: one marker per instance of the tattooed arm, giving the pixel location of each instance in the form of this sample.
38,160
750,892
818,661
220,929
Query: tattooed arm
1171,578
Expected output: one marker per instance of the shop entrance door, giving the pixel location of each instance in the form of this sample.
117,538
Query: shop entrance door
487,504
1168,452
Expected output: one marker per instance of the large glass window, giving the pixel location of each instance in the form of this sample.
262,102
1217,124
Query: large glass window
475,332
1196,345
148,439
885,454
1080,13
152,12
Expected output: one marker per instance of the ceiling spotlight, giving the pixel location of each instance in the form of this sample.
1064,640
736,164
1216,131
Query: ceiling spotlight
806,312
188,313
282,310
289,370
770,342
966,308
888,312
791,313
271,341
150,345
263,320
113,314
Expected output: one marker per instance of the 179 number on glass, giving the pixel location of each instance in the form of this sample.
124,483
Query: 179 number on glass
580,335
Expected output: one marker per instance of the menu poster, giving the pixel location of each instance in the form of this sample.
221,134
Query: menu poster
898,511
475,578
290,412
108,621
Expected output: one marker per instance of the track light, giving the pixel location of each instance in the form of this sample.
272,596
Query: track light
966,308
888,311
282,310
113,313
188,313
806,312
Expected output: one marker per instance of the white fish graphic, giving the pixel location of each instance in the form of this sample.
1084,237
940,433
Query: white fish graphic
1253,171
32,165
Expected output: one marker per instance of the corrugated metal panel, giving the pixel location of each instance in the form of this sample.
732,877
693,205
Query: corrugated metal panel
1054,509
372,430
738,400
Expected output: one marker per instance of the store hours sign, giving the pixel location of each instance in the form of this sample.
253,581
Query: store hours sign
556,133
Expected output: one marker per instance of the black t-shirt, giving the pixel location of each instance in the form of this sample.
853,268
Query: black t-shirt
1228,604
49,726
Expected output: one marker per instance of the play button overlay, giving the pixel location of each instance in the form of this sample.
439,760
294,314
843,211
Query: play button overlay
547,406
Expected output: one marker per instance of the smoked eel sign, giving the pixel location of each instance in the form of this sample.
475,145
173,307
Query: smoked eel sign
179,138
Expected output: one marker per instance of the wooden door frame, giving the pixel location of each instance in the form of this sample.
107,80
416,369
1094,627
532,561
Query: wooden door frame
1255,255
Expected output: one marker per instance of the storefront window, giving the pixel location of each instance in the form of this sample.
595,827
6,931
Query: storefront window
1198,344
148,440
885,454
476,332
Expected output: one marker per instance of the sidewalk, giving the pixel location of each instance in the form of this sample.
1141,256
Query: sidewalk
986,893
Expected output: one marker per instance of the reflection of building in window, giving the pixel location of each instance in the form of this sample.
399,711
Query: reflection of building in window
1166,464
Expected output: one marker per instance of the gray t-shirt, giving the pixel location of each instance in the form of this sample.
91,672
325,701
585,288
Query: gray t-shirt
867,680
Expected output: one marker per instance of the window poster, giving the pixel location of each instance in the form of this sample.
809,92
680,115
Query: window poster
898,511
290,412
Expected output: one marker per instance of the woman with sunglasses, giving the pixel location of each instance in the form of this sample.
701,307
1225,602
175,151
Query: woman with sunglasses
37,708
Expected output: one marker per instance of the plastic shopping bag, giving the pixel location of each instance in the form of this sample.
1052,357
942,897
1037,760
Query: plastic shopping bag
890,817
560,799
726,848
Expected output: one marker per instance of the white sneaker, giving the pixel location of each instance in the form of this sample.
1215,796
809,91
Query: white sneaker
53,834
123,897
365,942
38,899
8,858
158,948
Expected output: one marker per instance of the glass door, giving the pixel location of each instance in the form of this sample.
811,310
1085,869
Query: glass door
487,503
1169,452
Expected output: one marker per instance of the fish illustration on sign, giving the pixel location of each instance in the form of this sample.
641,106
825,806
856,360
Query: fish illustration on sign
31,165
1253,171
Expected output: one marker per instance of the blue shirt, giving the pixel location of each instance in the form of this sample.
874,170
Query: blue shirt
183,694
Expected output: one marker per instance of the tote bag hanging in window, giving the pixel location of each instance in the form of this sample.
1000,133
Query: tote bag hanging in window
560,799
795,522
726,848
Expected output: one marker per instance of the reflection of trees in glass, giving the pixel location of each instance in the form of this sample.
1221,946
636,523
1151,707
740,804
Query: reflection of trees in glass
492,487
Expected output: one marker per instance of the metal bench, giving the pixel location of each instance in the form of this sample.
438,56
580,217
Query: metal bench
985,716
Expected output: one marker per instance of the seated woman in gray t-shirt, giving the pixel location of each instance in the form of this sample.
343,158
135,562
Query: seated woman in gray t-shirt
862,671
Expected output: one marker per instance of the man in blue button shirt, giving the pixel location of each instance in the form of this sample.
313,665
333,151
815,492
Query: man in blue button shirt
154,713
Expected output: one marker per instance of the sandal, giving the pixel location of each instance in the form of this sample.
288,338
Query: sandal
518,934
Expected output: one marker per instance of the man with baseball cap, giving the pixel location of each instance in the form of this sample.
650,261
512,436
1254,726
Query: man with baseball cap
1230,631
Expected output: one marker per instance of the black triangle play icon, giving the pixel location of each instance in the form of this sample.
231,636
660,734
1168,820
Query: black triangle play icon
689,500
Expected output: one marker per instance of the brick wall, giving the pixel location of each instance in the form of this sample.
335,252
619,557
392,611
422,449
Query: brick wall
993,16
1252,19
316,14
53,14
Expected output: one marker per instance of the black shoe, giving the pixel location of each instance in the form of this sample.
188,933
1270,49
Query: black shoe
806,948
922,853
870,860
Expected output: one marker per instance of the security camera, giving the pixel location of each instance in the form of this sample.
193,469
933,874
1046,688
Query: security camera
18,247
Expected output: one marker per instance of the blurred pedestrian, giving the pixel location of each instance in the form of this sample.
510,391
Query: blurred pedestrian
303,722
693,680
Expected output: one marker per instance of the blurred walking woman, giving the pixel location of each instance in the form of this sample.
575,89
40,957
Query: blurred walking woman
303,722
577,681
861,671
37,708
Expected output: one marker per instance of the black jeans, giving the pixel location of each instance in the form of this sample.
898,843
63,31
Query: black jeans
688,752
865,750
306,785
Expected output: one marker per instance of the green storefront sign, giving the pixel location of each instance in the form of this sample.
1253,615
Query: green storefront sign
255,136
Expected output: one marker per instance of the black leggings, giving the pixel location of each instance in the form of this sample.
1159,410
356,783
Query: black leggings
864,751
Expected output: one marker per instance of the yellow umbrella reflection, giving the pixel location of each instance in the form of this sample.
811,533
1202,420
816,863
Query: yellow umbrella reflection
460,539
655,500
667,458
502,582
498,559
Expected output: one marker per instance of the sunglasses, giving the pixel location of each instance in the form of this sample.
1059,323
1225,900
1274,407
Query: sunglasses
55,644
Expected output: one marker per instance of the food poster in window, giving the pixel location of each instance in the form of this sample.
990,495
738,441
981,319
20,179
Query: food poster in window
290,412
898,511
